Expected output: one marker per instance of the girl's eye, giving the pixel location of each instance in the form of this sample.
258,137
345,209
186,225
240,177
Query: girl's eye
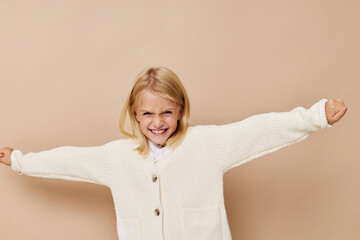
168,112
147,113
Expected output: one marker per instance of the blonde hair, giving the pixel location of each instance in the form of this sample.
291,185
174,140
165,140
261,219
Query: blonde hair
164,83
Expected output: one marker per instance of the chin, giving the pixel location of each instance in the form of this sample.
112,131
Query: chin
158,141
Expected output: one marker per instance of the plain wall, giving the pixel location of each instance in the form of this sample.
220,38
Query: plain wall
67,66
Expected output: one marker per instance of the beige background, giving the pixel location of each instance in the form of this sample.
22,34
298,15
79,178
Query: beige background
67,66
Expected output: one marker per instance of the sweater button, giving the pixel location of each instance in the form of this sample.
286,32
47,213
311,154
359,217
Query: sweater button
154,178
157,212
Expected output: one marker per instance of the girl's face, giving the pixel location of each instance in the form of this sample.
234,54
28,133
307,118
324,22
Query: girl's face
157,116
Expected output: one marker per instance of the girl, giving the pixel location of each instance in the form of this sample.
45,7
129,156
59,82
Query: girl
167,178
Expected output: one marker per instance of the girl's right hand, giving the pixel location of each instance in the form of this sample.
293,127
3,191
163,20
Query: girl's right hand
5,155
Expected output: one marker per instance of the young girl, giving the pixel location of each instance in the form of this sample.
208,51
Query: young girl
167,178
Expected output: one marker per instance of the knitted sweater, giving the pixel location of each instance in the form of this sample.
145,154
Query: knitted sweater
180,197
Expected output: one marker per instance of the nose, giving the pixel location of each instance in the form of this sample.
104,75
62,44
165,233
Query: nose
158,121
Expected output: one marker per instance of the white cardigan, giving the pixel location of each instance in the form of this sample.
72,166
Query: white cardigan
180,197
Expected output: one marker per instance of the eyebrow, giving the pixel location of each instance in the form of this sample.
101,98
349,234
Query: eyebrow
166,109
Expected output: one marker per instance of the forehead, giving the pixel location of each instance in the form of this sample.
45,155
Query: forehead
152,102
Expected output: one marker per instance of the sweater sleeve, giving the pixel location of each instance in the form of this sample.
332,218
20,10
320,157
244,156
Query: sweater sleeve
86,164
258,135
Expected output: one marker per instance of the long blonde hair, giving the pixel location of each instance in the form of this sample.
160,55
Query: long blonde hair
164,83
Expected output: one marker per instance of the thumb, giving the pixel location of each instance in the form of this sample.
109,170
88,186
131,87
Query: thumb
1,156
339,114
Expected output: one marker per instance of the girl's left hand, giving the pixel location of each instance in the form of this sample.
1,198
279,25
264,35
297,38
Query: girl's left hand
335,109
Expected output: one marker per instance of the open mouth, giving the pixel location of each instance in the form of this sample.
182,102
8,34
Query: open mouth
158,131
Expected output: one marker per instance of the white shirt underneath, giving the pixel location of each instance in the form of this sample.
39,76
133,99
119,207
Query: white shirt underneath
158,151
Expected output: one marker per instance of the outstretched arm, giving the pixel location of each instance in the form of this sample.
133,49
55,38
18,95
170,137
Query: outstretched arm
258,135
89,164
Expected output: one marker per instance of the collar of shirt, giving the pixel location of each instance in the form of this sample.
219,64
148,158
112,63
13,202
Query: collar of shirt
158,151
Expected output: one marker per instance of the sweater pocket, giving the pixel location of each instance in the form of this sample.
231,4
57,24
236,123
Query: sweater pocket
201,223
129,229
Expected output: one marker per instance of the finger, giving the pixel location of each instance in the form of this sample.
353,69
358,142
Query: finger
335,108
3,150
339,99
340,114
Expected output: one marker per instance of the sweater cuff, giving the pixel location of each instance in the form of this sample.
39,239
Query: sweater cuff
15,165
323,120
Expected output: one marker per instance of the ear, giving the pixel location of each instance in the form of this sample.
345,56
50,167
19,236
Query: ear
180,113
136,117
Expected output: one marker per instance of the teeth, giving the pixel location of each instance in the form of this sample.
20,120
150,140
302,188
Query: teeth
158,131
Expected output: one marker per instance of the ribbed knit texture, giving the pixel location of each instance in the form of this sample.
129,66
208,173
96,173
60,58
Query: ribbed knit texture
185,200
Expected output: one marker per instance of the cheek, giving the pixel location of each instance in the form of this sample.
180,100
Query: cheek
144,123
174,123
